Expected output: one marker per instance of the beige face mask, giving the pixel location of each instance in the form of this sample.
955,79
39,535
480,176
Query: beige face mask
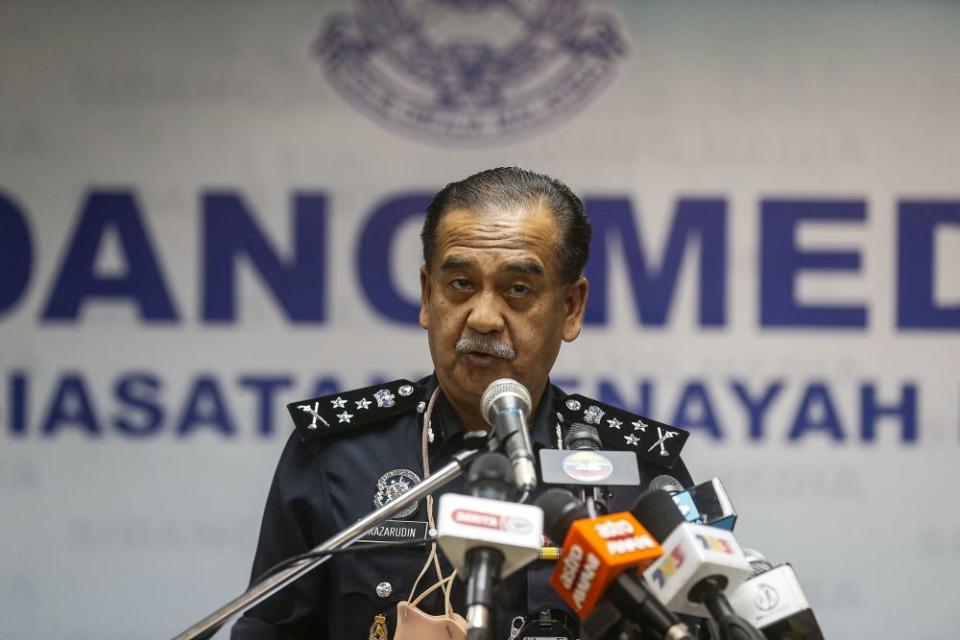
412,623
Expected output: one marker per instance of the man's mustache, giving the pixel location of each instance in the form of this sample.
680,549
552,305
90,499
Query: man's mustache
485,344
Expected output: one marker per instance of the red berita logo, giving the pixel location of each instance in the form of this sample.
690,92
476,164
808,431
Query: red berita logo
476,518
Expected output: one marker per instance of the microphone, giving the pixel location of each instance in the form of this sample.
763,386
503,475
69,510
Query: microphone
596,575
773,602
581,436
587,468
665,481
585,437
699,565
487,538
505,405
708,504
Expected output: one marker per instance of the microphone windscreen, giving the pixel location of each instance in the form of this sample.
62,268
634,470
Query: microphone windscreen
666,482
582,436
560,511
490,466
658,513
491,476
508,388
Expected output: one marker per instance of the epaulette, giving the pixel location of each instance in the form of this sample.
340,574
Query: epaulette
351,411
621,430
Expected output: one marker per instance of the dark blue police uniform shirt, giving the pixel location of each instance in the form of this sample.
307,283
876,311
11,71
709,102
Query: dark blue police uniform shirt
322,487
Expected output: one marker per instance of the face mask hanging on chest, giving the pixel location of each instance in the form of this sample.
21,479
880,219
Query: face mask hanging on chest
414,624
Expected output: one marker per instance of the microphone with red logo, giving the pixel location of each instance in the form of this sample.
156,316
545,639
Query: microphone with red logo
699,565
597,571
487,538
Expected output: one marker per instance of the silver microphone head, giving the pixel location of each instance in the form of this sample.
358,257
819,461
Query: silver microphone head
666,482
582,436
510,391
757,561
505,405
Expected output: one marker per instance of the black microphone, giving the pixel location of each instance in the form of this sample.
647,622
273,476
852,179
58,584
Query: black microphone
699,564
626,598
774,603
585,437
505,405
489,477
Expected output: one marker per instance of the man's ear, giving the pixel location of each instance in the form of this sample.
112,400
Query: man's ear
424,295
574,306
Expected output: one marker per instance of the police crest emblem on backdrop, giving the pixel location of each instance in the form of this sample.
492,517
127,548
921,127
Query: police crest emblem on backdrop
469,70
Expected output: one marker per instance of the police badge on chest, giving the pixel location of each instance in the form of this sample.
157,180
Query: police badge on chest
392,485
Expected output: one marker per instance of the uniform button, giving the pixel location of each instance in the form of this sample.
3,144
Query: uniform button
384,589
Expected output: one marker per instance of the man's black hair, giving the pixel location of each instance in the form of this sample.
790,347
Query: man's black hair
515,188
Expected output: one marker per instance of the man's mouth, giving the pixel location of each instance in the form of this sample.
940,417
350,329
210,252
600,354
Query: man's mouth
480,360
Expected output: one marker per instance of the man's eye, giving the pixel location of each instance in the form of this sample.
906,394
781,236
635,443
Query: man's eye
519,289
460,284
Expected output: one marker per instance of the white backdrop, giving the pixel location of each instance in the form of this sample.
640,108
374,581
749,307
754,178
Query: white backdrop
106,534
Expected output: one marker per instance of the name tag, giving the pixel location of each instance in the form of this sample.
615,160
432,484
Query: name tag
397,531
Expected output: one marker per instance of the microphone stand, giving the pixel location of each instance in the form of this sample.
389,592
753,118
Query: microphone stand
273,583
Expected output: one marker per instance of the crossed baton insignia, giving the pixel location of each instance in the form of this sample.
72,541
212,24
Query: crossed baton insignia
313,411
662,436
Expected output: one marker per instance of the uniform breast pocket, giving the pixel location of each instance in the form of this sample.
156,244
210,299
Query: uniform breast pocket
369,584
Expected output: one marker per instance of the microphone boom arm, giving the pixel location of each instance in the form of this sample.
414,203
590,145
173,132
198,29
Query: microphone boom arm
273,583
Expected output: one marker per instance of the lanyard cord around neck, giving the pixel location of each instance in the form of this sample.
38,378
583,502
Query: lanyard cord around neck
432,557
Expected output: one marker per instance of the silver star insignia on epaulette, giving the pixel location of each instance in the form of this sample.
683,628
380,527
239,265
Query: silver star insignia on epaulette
339,403
631,439
344,417
639,425
363,403
613,423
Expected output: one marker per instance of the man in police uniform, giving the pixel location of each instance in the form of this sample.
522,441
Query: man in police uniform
501,288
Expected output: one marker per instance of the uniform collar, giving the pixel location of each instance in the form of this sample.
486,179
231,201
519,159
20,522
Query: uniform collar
448,430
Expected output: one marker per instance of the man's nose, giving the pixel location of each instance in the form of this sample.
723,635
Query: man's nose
486,315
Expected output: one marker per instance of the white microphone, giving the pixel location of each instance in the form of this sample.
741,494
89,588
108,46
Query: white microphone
465,522
505,405
774,603
699,566
486,537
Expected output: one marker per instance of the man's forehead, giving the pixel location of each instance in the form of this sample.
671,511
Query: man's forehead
526,239
495,223
530,265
